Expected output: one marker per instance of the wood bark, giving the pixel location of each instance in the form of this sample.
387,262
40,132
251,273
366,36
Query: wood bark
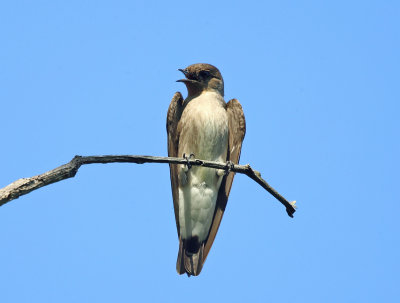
69,170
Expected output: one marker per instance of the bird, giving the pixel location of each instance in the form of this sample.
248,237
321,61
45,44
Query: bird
204,126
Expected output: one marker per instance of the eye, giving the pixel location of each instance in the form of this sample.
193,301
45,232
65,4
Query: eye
205,74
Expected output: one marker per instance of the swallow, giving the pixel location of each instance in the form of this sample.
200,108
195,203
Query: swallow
205,126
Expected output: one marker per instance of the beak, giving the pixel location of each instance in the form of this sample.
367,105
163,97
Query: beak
187,80
185,73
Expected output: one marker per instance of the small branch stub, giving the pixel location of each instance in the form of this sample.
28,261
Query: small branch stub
69,170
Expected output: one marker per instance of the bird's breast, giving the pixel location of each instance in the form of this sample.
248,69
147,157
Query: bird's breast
204,127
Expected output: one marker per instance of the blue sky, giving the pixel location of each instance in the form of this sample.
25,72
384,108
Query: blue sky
318,82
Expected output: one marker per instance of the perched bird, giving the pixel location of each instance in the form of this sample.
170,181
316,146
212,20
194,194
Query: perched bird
205,126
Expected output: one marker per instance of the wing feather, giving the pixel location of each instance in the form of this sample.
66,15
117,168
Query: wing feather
174,115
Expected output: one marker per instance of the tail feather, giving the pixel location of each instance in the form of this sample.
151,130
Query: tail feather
189,262
180,267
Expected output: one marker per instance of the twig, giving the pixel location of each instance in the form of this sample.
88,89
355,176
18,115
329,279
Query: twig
69,170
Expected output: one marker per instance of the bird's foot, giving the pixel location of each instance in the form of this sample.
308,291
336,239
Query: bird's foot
229,165
188,165
227,170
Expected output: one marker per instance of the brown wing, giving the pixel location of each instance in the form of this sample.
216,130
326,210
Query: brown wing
173,117
237,130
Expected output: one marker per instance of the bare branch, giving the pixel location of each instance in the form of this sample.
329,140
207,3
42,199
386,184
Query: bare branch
69,170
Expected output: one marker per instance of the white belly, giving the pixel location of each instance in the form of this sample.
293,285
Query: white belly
204,133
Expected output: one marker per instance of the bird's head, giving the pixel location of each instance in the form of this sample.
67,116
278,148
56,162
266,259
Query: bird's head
202,77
